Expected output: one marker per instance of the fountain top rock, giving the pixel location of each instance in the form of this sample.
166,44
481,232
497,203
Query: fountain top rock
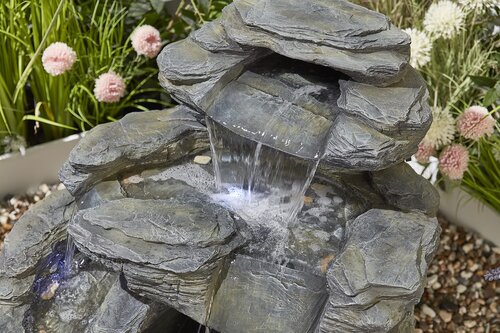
314,79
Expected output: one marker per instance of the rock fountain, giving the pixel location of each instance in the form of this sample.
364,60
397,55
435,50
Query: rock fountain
306,220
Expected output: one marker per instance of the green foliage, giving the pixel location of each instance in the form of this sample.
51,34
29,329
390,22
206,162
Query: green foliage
463,71
40,107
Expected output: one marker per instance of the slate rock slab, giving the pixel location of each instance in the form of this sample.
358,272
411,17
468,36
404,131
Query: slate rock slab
380,274
137,141
32,238
257,296
403,188
377,53
120,312
170,251
11,318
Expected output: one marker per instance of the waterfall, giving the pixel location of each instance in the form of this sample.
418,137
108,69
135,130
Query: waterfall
263,185
68,256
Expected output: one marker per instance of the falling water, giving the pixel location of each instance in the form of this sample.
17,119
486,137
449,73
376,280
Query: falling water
265,186
68,256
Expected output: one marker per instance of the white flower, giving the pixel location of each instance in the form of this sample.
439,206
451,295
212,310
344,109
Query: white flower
421,47
442,130
444,19
479,6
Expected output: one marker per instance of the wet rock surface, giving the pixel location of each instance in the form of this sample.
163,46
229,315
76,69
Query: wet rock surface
249,282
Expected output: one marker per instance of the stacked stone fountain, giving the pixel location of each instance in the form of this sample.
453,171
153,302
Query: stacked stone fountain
313,100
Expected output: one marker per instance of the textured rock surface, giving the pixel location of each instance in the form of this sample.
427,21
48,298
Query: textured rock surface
257,296
35,233
379,276
137,140
120,312
30,241
378,127
169,250
74,304
11,318
293,29
403,188
381,113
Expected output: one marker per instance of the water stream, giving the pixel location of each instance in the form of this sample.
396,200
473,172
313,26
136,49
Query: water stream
264,186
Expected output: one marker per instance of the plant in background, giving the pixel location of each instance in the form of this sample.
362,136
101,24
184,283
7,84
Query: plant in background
58,56
456,50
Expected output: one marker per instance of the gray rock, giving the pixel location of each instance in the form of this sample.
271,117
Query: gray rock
403,188
75,302
34,235
15,291
399,110
257,296
355,146
212,37
11,318
120,312
101,193
384,316
336,34
380,275
193,75
137,141
273,121
169,250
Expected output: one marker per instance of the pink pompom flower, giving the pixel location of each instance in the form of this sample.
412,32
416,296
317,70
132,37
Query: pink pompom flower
475,122
453,161
424,152
109,87
58,58
146,41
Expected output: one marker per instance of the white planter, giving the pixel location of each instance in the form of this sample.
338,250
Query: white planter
40,164
462,209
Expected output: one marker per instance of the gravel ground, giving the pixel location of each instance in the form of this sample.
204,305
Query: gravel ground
456,299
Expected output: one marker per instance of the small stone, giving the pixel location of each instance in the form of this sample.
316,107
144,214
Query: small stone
44,188
496,250
432,279
474,268
467,247
445,315
418,330
202,159
436,286
325,262
308,200
428,311
466,275
4,219
461,289
494,307
474,307
50,292
7,227
470,323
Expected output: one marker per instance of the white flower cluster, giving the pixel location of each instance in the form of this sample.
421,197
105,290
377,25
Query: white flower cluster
479,6
444,19
421,46
442,130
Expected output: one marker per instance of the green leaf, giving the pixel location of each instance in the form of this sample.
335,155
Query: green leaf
138,9
490,97
50,122
483,81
